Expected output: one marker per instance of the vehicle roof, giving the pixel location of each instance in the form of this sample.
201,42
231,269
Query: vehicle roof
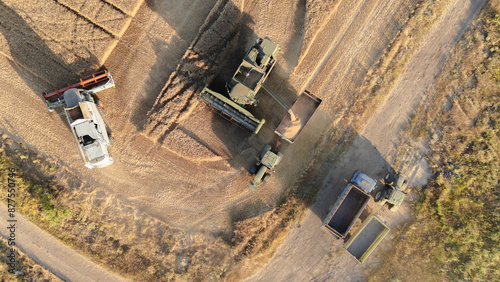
94,152
364,181
396,197
400,182
239,93
86,128
269,159
268,46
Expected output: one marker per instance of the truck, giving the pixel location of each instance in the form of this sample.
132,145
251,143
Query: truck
264,167
349,205
89,130
366,238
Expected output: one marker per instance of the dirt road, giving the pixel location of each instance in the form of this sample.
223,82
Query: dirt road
52,254
309,253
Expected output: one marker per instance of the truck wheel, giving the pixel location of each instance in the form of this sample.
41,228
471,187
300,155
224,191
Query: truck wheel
266,149
266,178
378,196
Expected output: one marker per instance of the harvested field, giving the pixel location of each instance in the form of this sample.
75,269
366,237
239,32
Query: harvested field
198,66
180,171
60,40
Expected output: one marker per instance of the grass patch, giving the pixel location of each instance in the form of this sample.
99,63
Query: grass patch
34,198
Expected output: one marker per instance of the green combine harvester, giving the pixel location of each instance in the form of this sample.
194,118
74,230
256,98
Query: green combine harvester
246,82
244,85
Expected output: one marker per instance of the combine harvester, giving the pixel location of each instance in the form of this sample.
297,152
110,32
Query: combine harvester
243,89
88,127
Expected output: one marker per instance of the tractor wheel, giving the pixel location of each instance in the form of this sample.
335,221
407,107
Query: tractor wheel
266,178
253,170
378,196
266,149
388,179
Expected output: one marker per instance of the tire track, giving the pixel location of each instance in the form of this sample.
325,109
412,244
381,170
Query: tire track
320,30
26,68
347,65
91,22
117,8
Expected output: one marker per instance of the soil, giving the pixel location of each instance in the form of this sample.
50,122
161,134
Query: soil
175,160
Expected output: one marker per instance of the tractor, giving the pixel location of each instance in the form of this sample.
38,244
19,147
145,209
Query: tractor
264,167
393,192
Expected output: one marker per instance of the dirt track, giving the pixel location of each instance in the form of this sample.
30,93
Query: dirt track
176,161
315,254
64,262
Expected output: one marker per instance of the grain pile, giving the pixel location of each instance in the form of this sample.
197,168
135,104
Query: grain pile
291,127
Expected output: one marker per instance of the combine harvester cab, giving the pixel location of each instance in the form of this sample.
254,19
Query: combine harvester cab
253,72
88,128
